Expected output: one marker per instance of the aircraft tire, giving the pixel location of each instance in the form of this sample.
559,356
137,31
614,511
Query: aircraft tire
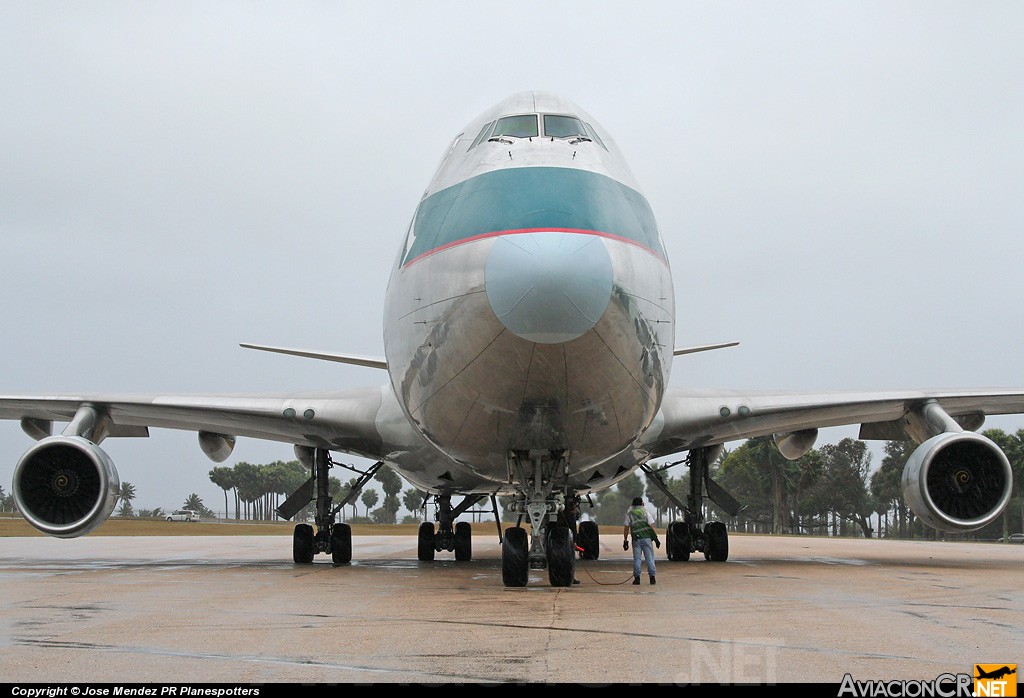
589,540
716,548
425,542
515,558
302,544
670,542
561,553
463,541
679,543
341,544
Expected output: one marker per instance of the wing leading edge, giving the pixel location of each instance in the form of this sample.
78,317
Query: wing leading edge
342,421
697,418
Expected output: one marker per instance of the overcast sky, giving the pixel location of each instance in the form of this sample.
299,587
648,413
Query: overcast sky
840,186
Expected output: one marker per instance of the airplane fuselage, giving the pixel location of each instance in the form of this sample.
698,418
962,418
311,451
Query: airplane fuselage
531,308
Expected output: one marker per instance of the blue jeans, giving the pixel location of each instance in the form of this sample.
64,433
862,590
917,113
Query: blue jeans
645,546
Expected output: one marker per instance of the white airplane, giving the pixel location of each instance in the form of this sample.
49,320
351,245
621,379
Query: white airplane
529,331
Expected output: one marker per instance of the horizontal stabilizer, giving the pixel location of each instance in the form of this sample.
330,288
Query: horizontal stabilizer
369,361
703,347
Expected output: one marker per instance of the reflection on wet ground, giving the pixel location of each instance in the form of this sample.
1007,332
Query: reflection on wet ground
237,609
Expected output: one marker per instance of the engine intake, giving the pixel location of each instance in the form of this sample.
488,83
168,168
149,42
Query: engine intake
957,481
65,486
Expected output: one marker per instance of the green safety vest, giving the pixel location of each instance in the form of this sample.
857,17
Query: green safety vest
638,524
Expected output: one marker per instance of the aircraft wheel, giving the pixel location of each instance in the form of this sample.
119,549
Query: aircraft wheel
669,541
589,540
679,543
341,543
515,558
716,548
463,541
561,552
302,544
425,546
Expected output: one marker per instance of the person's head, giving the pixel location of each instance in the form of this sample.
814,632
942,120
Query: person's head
638,501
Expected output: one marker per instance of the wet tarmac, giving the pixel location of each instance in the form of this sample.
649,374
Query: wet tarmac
236,609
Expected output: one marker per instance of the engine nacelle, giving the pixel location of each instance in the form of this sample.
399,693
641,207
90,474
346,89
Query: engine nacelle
957,481
793,445
65,486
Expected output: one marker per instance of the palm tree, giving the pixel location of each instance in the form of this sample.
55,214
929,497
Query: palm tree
413,500
245,485
195,503
223,477
369,499
125,493
275,478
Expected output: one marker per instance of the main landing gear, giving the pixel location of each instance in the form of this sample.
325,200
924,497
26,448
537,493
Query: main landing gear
692,534
329,537
449,535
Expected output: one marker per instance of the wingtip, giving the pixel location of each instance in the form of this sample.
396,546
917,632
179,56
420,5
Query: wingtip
703,347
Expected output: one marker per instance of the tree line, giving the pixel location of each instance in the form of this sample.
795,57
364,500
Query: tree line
256,490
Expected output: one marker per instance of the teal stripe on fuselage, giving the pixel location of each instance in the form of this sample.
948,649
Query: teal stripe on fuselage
533,198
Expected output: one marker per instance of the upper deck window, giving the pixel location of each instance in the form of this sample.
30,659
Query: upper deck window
558,126
520,126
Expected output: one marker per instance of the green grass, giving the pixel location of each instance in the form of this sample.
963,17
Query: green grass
116,526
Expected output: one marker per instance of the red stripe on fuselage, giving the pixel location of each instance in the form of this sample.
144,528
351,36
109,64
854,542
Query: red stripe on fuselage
523,231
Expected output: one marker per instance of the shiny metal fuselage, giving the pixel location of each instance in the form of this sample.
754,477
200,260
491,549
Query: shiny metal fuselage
532,318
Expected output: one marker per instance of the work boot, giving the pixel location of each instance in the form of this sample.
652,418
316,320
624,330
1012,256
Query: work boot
652,580
636,580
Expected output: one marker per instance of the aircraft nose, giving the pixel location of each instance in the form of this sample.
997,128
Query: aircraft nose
549,287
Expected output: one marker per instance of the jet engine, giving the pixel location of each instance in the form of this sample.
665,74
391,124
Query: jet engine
65,486
957,481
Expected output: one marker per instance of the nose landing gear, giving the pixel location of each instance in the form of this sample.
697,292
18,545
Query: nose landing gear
552,545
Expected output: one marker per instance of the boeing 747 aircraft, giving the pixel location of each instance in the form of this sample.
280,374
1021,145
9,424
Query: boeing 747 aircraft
528,339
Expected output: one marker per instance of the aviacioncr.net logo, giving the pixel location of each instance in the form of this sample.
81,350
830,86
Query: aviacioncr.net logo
998,680
942,686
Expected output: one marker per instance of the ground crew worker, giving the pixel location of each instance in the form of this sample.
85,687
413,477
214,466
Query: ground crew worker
638,526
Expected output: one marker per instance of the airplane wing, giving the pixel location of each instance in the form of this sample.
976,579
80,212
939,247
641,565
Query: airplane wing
342,421
66,485
694,418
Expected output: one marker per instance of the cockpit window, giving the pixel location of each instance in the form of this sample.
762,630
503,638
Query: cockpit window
558,126
484,133
520,126
593,134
